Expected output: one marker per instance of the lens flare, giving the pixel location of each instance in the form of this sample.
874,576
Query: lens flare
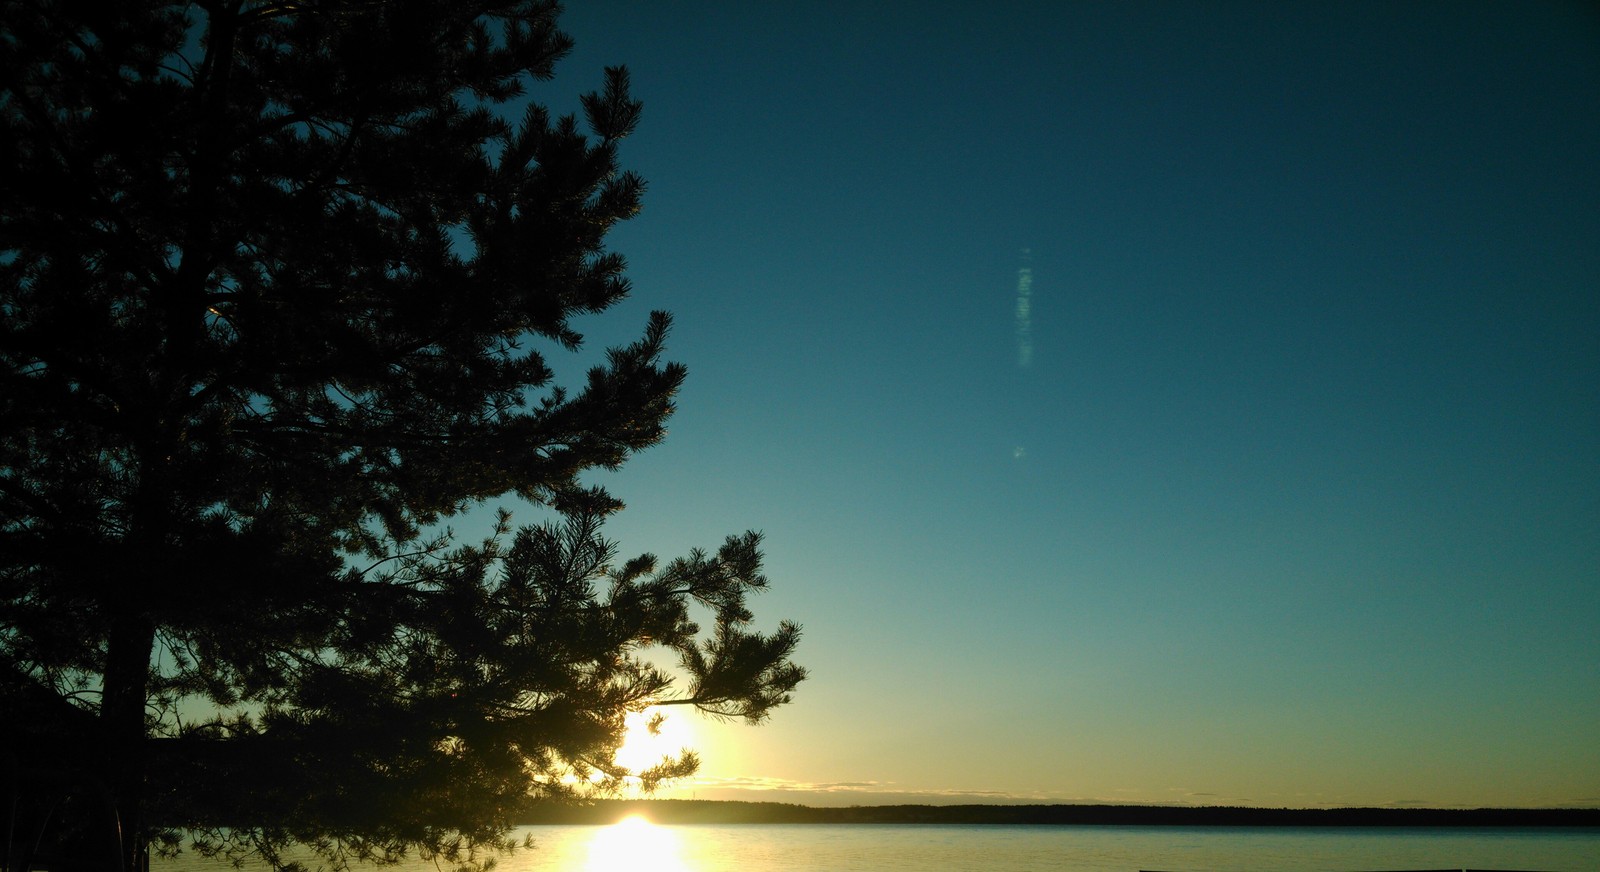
1025,311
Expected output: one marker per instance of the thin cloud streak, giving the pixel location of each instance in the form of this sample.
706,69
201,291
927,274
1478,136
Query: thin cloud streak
863,793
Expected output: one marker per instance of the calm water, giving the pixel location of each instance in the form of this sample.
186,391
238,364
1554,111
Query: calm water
638,847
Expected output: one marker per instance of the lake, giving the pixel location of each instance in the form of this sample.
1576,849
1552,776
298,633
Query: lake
636,846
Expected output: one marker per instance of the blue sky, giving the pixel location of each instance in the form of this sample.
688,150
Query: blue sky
1297,501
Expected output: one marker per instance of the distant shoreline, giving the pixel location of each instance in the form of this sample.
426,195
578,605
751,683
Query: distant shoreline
689,811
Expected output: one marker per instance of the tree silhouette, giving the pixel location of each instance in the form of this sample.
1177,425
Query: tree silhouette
278,284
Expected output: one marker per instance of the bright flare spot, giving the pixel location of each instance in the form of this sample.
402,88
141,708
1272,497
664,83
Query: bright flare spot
641,750
635,845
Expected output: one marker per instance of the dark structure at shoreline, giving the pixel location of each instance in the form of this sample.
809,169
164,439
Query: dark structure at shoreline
686,811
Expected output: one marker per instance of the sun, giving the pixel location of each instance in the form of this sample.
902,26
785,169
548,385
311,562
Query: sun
642,749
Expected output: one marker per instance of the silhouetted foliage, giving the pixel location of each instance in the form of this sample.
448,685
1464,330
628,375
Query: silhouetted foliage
278,282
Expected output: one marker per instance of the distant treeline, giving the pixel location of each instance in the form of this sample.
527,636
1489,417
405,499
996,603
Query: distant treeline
684,811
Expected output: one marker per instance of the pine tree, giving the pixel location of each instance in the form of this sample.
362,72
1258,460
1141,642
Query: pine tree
279,283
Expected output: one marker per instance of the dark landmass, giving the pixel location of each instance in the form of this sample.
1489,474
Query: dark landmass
685,811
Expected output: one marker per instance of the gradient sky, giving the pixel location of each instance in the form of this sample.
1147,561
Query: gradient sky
1297,501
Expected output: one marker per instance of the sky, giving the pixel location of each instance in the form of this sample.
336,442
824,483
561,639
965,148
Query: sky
1142,402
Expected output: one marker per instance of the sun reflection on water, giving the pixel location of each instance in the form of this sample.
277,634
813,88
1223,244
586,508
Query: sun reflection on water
635,845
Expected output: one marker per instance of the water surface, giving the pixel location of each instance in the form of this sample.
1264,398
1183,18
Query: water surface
635,846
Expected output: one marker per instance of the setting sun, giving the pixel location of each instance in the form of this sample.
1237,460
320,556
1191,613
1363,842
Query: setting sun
642,748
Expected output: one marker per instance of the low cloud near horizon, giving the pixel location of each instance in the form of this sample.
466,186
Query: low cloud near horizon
862,793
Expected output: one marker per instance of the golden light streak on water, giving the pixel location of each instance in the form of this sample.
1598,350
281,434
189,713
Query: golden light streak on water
635,845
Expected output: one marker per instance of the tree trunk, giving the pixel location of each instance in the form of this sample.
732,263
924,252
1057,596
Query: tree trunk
122,719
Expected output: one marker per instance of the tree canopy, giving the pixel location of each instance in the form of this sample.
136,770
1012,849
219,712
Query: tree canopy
280,283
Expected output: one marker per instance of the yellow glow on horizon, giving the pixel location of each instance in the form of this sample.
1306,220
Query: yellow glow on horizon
641,749
635,845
